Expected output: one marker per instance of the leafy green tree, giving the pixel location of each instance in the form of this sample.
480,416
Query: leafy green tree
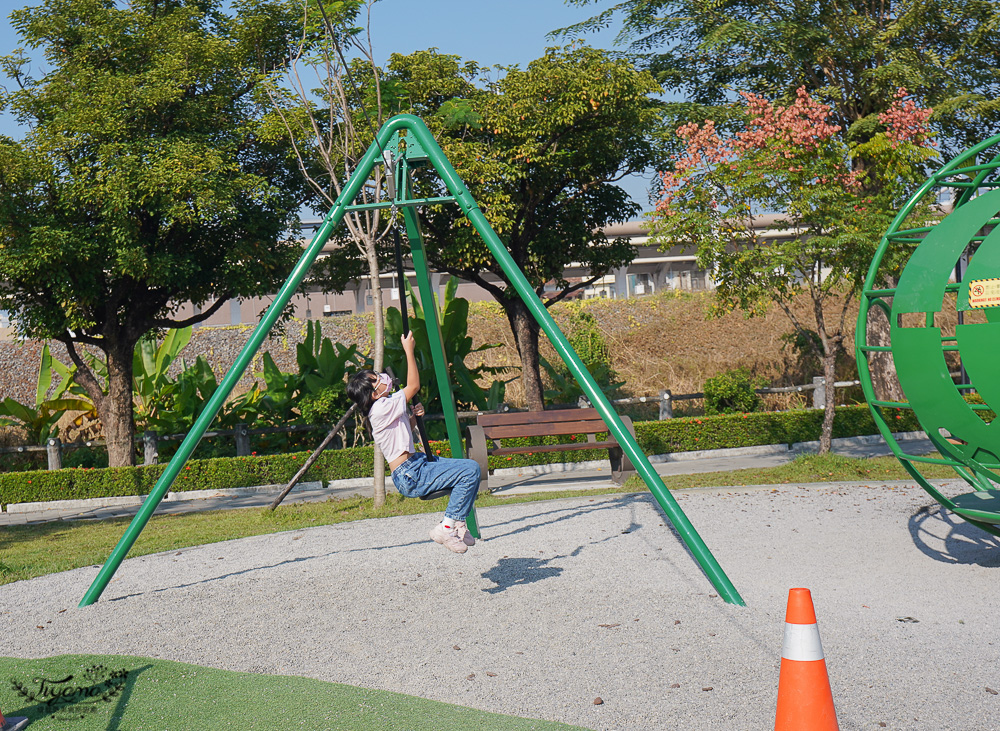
851,55
790,159
541,149
141,182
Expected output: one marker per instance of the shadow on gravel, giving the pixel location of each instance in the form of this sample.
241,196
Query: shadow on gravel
557,515
510,572
945,537
519,571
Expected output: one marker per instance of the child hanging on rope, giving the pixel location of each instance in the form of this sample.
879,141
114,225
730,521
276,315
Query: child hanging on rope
413,472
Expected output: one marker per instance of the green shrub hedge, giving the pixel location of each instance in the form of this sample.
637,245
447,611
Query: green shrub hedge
769,427
198,474
654,437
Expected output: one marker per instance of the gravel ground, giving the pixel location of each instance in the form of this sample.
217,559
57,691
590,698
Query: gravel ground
575,599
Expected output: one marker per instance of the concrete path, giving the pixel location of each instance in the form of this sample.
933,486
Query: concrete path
541,478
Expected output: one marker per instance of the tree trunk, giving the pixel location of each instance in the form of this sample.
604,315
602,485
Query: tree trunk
115,409
829,376
525,330
885,383
378,356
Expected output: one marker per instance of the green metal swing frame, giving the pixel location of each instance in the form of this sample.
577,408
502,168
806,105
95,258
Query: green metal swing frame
407,138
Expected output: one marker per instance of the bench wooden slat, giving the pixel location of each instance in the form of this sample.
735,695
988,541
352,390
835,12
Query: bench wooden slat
554,448
491,428
538,417
541,430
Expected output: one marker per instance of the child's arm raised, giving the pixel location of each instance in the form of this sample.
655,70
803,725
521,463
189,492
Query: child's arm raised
412,374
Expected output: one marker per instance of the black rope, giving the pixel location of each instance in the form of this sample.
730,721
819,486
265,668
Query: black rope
401,283
400,277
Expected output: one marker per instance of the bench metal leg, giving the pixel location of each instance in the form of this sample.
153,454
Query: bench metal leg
476,449
621,466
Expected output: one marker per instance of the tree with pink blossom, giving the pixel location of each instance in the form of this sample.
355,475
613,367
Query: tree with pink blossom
833,201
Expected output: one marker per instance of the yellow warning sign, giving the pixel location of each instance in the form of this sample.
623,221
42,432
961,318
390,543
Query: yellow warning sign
984,293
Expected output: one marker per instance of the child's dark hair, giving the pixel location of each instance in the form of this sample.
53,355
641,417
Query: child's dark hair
361,389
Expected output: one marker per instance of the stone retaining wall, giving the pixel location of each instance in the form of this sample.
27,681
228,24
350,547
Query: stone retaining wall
220,346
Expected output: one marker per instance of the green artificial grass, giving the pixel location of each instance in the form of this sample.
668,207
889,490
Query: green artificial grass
125,693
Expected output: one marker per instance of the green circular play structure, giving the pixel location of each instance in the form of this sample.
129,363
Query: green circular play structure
943,317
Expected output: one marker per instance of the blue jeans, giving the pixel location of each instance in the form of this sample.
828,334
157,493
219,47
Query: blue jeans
418,476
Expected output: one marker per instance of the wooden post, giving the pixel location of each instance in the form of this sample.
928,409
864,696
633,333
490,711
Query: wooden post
242,440
150,447
53,450
666,405
819,393
311,459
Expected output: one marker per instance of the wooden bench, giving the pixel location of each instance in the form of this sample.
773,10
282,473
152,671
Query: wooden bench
557,422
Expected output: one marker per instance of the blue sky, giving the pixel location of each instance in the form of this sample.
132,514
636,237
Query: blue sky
511,32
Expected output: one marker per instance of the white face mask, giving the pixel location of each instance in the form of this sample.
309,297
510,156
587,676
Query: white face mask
385,382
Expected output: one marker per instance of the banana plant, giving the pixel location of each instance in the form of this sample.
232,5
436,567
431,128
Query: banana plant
322,368
190,392
40,420
277,406
152,386
323,363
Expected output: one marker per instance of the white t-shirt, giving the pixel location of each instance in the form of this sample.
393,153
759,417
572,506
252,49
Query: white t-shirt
391,425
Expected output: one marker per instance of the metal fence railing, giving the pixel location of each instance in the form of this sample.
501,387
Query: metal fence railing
666,398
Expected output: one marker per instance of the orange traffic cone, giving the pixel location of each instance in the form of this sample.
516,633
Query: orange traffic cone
12,724
805,701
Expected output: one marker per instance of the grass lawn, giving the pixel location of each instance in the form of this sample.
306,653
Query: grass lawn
807,468
118,692
36,550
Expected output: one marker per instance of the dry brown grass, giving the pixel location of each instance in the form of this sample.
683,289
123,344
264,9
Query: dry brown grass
662,341
669,341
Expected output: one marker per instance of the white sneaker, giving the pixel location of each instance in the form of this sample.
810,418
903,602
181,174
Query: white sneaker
463,533
449,538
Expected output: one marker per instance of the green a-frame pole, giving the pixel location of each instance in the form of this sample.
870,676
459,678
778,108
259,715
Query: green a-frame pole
419,145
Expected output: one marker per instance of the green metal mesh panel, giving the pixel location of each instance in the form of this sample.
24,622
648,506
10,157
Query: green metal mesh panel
922,268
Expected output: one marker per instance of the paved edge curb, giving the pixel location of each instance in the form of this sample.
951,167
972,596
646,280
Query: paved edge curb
170,497
542,469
